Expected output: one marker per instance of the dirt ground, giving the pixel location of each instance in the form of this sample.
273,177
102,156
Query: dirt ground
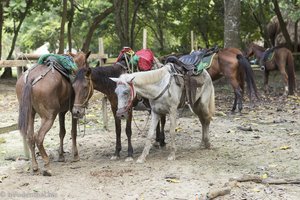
262,141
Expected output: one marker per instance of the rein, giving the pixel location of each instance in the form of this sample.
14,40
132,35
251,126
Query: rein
172,74
129,105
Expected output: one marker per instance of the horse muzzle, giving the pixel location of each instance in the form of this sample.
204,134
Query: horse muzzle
122,113
78,112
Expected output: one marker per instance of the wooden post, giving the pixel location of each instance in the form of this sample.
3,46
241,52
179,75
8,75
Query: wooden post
104,112
101,51
104,99
144,38
192,40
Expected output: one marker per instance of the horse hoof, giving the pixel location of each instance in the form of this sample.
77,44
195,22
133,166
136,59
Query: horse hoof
140,160
61,159
115,157
35,168
156,145
171,156
47,172
205,145
76,159
129,159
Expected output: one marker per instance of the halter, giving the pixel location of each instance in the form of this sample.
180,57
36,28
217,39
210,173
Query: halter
85,102
132,95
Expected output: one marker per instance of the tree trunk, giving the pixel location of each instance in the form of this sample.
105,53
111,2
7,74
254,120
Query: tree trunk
125,33
97,20
71,17
62,28
8,72
282,25
1,27
232,14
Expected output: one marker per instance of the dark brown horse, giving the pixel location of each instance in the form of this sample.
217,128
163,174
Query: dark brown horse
45,91
98,78
231,63
276,58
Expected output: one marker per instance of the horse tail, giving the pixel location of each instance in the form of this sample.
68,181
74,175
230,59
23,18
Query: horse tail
291,74
25,108
249,75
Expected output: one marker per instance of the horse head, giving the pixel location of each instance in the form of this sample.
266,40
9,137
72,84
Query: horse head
80,59
83,88
126,93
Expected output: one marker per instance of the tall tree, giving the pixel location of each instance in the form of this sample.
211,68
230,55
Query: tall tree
70,23
232,13
96,21
125,33
282,25
62,27
1,25
18,17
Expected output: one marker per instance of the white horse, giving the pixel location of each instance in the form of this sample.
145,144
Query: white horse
164,94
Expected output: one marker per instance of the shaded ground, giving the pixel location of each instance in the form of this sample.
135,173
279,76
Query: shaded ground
270,149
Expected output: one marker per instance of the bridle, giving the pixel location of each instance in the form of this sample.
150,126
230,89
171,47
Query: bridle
85,102
130,101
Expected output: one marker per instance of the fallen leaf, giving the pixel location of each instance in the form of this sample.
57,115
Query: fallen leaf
172,180
264,176
177,129
285,147
2,140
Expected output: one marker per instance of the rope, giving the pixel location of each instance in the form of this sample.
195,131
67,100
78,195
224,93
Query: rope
141,131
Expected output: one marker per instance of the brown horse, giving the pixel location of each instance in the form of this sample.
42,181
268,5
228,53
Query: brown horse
97,78
45,91
279,58
231,63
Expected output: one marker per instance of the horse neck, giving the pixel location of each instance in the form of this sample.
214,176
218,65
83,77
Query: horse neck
258,51
101,81
149,84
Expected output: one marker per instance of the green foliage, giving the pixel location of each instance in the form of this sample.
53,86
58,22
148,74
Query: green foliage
168,22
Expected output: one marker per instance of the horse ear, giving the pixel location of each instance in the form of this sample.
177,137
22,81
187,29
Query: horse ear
131,80
87,55
71,54
114,79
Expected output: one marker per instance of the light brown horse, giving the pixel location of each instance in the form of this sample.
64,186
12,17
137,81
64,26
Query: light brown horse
231,63
45,91
281,58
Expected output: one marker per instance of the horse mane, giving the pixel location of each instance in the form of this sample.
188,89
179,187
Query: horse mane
149,77
260,48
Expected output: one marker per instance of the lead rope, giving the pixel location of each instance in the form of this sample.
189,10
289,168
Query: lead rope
141,131
84,122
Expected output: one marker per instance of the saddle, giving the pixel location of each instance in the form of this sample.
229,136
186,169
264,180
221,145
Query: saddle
187,66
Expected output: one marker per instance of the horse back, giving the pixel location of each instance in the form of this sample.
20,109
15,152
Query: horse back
50,91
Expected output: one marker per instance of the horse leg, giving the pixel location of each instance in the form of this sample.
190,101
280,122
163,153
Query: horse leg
129,133
238,95
284,79
161,136
46,124
150,138
74,140
172,134
205,131
62,133
266,81
118,138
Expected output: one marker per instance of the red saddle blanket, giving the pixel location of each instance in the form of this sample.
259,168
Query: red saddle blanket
144,59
